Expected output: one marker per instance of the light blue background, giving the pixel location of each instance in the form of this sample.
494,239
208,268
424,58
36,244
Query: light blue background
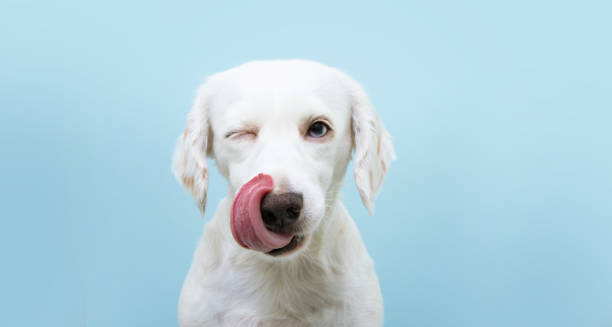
498,211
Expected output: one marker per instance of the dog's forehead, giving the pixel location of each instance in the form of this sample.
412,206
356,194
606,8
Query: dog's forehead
276,87
261,75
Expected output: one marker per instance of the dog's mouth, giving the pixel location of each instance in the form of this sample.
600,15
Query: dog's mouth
247,224
295,243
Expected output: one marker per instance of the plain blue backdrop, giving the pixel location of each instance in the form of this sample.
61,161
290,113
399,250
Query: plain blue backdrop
498,211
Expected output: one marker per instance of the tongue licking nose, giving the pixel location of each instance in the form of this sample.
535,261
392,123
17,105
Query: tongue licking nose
247,226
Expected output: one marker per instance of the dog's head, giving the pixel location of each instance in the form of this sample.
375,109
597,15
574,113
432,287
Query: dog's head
282,134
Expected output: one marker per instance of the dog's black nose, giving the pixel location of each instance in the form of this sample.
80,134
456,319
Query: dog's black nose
279,211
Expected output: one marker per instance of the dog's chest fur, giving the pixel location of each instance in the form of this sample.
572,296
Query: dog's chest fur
299,291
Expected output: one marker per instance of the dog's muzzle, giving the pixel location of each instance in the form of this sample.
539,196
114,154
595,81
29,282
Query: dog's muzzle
260,220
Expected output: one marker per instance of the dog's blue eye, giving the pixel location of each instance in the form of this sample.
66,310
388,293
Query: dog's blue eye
318,129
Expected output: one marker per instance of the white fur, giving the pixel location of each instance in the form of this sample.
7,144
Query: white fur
330,280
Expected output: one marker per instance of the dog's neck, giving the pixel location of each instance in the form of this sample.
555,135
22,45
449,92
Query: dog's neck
308,278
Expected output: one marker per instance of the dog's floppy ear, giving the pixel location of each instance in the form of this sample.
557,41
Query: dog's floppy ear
189,162
373,151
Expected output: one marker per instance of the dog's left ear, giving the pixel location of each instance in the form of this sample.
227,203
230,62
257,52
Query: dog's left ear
373,151
189,162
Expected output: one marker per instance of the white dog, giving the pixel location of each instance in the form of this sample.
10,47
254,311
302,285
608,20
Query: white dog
281,250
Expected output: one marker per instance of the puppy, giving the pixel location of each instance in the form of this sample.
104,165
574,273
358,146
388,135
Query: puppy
281,250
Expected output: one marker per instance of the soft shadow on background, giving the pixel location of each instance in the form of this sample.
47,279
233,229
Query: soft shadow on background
498,211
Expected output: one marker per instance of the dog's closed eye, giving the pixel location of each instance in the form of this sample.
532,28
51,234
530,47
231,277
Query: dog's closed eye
242,133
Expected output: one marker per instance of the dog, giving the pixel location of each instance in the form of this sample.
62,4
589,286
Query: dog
281,249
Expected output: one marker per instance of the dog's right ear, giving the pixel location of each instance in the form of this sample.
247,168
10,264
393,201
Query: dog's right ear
189,160
373,150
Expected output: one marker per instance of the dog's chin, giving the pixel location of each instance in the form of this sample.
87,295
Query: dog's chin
297,242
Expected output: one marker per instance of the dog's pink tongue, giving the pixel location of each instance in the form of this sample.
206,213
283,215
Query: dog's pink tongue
247,226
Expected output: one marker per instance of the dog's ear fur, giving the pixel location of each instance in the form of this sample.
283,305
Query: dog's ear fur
373,151
189,161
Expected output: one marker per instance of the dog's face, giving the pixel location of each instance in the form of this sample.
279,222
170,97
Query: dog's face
285,127
295,121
